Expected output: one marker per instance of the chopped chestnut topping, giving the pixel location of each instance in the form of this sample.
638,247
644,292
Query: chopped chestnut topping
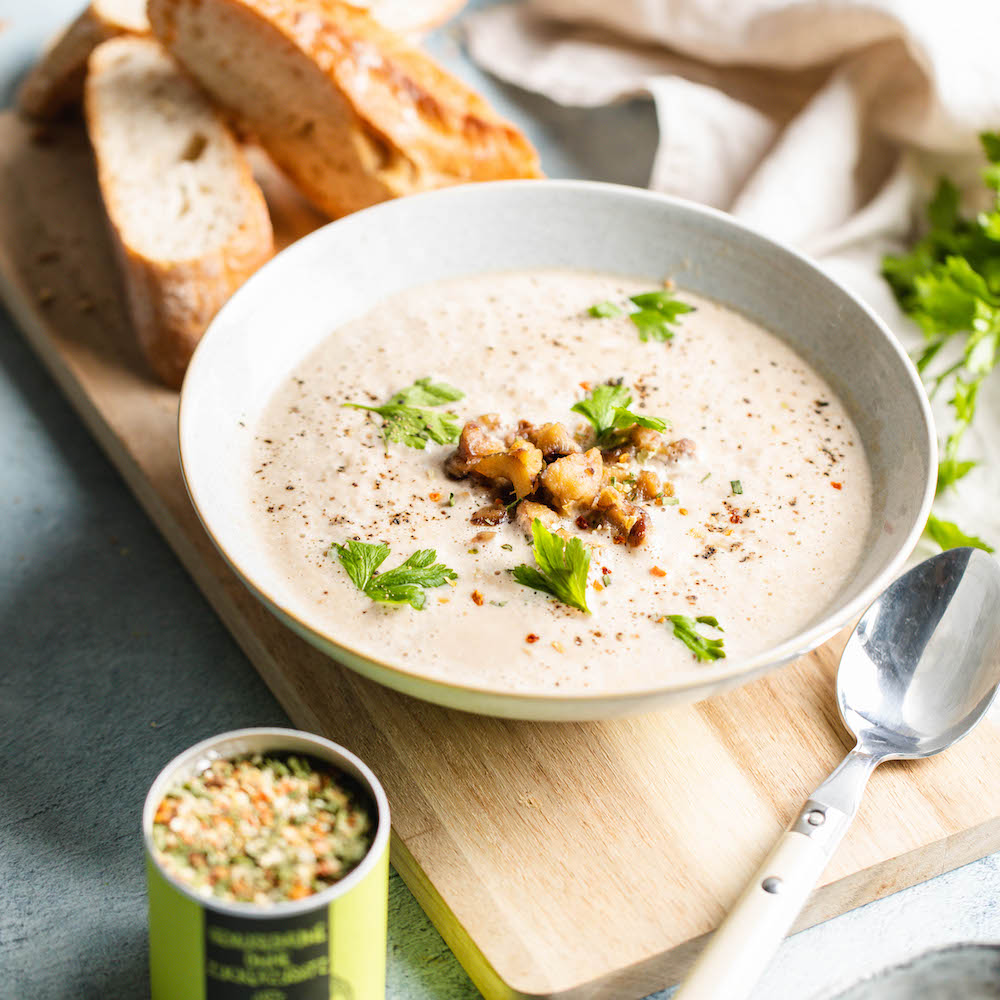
551,477
574,481
552,440
520,466
492,515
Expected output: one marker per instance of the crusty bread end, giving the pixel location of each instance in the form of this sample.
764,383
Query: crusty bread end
189,222
56,80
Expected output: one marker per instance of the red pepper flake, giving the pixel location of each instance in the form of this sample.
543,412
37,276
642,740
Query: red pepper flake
605,571
477,599
582,523
656,571
735,518
619,539
434,496
531,637
837,486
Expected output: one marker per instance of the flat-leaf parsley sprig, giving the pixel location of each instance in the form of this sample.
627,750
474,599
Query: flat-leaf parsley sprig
407,420
562,568
950,536
949,284
607,409
655,314
702,647
404,584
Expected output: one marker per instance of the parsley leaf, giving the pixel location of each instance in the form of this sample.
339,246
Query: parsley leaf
703,648
657,314
949,284
949,536
562,568
404,584
361,559
424,392
602,310
407,420
607,409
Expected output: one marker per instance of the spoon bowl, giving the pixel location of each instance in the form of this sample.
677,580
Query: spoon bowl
921,668
918,673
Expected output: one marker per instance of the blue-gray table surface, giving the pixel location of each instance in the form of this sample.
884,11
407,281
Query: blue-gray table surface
111,662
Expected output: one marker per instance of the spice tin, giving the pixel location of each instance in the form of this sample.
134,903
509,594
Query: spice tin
329,946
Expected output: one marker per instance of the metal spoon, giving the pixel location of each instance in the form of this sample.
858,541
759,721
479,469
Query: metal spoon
919,671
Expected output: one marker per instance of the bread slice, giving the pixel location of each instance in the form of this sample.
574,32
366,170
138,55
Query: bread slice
353,113
189,223
412,18
56,80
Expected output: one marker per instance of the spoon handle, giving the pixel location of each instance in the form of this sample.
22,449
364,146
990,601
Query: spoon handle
742,947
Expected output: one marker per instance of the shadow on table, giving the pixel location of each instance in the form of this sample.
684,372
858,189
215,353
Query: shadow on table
111,663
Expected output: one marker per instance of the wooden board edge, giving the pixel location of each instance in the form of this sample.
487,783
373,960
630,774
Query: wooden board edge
483,975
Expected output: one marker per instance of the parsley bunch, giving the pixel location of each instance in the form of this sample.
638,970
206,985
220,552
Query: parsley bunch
404,584
407,420
949,284
562,568
655,314
607,409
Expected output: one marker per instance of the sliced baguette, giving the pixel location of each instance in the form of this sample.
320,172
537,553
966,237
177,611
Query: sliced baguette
189,223
353,113
56,80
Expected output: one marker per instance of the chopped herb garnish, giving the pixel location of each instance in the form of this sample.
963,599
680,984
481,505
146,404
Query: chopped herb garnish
702,647
657,314
602,310
451,499
737,486
672,501
562,568
407,420
405,584
507,546
949,284
607,409
706,477
949,536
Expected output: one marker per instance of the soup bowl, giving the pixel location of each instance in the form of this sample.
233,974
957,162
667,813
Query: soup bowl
342,270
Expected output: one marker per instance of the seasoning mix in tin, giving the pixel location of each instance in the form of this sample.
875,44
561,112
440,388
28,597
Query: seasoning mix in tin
268,863
261,829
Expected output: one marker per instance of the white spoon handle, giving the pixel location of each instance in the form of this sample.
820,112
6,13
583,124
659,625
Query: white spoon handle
739,951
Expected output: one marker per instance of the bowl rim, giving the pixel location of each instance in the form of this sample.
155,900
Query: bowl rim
696,677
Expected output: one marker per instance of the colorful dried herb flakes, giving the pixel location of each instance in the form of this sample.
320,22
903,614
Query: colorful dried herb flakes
261,829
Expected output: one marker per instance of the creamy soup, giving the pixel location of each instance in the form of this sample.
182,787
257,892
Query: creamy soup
523,346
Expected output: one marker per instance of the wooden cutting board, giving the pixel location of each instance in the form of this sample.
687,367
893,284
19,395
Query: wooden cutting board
583,860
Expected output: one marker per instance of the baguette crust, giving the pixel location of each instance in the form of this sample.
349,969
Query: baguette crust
353,113
56,80
171,298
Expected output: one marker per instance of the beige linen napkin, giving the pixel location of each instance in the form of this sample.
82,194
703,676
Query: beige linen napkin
821,123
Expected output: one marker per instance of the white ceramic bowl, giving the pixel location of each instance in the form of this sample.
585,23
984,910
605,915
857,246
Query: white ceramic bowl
343,269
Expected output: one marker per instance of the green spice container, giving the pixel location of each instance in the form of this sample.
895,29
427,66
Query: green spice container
327,946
